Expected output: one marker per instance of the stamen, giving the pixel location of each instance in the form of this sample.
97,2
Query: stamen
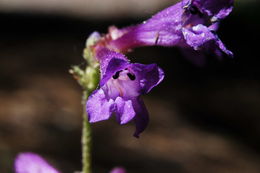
194,10
116,75
131,76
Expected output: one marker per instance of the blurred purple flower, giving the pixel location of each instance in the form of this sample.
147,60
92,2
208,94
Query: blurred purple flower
32,163
118,170
187,24
122,83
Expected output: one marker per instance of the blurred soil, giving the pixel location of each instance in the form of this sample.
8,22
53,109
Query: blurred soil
202,119
98,9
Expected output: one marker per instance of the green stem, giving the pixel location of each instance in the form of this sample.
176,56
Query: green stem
86,141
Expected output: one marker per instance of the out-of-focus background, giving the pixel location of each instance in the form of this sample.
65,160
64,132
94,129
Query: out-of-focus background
203,119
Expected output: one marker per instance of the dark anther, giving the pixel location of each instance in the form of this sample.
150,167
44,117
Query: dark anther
116,75
193,10
131,76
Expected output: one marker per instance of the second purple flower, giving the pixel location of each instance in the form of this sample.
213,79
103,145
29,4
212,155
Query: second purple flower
188,24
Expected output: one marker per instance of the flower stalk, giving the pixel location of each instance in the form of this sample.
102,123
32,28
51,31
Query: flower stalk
86,141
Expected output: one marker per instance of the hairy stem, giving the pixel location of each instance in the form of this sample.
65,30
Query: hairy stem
86,141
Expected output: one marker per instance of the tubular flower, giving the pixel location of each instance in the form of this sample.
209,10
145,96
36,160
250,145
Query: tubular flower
121,85
187,24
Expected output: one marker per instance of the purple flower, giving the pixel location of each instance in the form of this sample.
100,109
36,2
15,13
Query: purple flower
187,24
118,170
32,163
121,86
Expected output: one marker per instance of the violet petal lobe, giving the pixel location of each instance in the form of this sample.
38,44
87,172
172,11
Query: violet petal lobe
124,110
197,36
141,118
104,56
114,65
200,37
32,163
162,29
149,75
213,8
99,107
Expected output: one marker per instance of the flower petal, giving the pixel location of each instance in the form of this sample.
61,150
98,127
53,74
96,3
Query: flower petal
99,107
200,35
110,62
162,29
32,163
149,75
141,118
113,66
214,8
197,36
124,111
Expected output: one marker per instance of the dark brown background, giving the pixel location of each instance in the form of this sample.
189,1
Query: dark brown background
203,119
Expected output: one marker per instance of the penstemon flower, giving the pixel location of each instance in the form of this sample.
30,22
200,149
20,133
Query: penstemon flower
187,24
121,86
